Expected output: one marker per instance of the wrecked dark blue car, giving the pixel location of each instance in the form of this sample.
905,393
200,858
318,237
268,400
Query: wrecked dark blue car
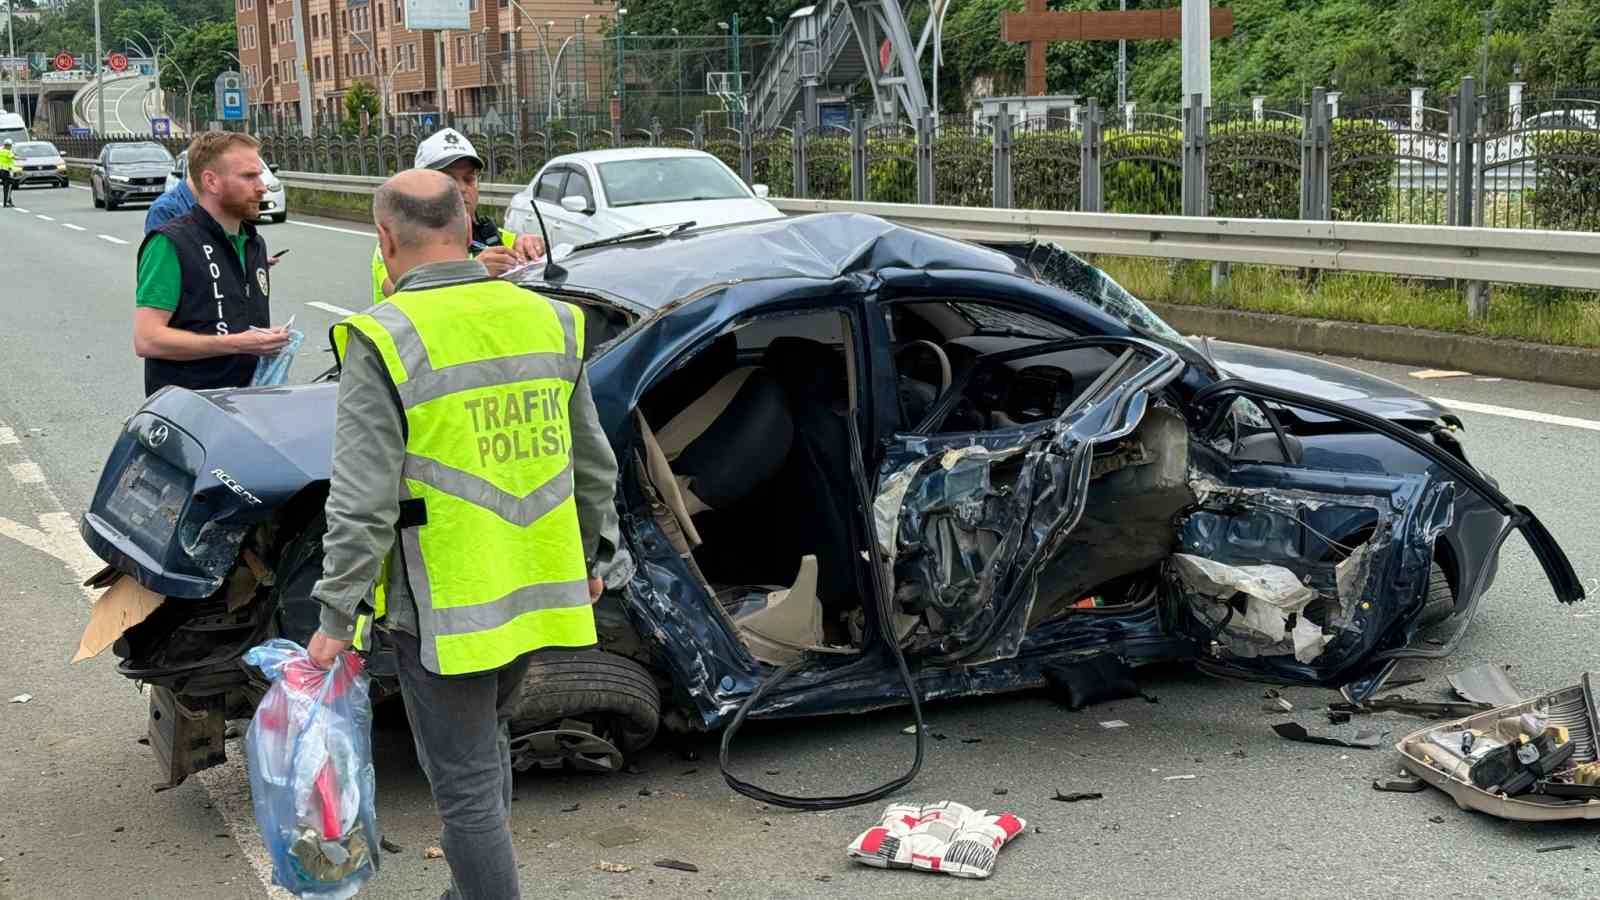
837,435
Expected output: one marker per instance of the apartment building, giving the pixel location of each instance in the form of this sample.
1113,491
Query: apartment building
350,41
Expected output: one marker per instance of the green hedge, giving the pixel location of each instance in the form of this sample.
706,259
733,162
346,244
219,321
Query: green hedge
1568,169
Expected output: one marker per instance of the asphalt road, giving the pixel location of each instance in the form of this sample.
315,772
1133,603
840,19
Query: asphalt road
1261,817
125,105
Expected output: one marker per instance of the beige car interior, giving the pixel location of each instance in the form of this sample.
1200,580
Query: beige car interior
744,449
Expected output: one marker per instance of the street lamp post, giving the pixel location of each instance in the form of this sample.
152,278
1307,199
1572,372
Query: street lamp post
544,47
261,90
99,73
733,34
622,81
555,67
11,37
383,92
152,49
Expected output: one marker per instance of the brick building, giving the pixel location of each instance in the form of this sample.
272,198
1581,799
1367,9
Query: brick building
350,41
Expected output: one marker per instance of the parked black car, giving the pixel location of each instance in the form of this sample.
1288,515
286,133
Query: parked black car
132,172
833,429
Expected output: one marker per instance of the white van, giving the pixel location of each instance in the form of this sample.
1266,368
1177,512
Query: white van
12,126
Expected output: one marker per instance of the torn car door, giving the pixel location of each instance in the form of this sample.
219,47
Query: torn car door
966,521
1314,575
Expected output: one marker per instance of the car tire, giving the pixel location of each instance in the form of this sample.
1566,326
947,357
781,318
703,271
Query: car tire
612,693
95,196
280,218
1440,604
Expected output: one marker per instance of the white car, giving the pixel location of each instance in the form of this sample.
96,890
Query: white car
274,205
598,194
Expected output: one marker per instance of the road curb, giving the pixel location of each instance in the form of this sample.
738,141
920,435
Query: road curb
1522,360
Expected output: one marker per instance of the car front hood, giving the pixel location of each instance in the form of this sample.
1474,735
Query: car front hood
703,213
1320,378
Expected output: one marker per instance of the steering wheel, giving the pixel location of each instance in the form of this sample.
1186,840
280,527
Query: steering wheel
946,376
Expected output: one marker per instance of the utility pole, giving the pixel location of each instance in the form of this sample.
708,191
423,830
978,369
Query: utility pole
1122,67
1483,66
11,37
1196,42
622,82
302,64
99,73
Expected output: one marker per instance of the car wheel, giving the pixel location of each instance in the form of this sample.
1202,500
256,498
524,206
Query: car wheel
95,195
281,218
299,568
1441,600
612,693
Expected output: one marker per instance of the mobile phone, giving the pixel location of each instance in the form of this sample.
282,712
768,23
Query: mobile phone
280,253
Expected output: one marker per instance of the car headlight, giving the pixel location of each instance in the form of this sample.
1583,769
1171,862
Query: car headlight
61,167
121,179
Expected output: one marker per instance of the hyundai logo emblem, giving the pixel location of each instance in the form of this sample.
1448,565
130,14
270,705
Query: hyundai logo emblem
156,436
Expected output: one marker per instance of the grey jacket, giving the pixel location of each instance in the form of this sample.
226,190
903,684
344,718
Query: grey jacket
369,450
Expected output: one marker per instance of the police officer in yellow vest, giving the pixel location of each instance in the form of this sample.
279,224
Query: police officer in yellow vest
449,151
471,499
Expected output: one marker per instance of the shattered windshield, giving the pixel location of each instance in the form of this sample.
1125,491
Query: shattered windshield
1064,270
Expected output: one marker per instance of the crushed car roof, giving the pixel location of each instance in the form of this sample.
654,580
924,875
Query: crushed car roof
655,273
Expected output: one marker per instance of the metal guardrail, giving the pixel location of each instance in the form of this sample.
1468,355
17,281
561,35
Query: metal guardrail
1563,259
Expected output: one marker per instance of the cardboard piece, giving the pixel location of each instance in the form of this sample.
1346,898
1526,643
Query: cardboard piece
125,604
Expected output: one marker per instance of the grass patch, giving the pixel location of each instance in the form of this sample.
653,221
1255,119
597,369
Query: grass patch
1543,315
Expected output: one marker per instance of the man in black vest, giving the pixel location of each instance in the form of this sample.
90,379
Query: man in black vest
201,317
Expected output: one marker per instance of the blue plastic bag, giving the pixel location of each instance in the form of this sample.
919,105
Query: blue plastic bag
309,750
271,370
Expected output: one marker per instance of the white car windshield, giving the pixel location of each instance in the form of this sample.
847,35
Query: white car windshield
35,150
668,179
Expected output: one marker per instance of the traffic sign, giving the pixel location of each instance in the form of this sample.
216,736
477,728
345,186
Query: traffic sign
161,127
77,131
118,62
427,122
439,15
64,61
229,89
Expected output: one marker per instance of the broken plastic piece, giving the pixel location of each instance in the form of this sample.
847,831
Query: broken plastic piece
678,864
1402,783
1077,797
1485,684
1098,679
617,868
1365,739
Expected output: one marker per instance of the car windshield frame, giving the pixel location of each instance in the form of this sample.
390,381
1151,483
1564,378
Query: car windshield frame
112,156
610,173
49,150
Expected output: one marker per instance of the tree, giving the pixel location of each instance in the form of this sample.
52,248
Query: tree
149,20
360,98
194,64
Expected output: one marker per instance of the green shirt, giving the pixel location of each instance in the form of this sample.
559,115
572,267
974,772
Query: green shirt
160,276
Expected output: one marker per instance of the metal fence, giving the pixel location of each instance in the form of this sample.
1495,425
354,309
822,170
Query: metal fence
1509,163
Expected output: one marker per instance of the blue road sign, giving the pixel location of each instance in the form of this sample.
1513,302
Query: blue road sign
427,123
233,104
161,127
75,131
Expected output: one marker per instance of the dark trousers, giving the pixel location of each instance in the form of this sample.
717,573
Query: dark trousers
460,727
5,185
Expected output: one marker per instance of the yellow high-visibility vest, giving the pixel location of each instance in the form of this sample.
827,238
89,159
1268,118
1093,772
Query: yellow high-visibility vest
484,373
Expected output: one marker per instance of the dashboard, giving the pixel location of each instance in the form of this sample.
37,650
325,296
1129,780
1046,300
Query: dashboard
1021,391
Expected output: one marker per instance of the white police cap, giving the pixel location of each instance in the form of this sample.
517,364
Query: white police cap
443,148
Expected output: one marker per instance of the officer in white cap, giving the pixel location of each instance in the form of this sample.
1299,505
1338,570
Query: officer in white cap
450,152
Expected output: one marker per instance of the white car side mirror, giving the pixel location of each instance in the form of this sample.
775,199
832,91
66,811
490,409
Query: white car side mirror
574,204
761,190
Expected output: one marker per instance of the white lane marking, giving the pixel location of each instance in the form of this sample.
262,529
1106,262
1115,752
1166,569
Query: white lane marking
114,240
227,785
7,435
43,216
73,227
20,210
1525,415
329,307
332,228
79,187
26,473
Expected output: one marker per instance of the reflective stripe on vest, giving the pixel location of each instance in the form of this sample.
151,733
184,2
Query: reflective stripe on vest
484,373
